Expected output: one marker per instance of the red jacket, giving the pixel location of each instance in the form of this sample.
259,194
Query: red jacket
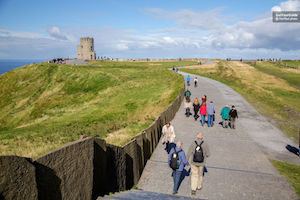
203,110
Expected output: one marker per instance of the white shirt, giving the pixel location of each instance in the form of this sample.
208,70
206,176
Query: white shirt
168,134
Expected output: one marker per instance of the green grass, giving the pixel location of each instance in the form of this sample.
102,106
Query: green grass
43,106
274,94
291,172
279,69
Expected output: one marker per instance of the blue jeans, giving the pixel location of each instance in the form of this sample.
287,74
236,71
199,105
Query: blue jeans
202,120
176,179
210,119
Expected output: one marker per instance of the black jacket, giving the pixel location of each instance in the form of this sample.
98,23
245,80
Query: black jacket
233,113
196,107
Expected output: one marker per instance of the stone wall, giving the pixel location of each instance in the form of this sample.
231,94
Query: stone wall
84,169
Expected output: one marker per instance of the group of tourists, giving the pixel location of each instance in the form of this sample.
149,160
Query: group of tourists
206,111
198,151
188,80
178,160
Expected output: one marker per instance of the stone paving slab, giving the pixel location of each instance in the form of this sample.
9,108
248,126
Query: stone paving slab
239,166
138,194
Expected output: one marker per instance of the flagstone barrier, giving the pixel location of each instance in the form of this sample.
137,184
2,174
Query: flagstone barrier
84,169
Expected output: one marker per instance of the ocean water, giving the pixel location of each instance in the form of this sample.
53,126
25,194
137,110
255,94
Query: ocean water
8,65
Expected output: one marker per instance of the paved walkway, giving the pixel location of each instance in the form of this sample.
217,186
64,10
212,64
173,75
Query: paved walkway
239,167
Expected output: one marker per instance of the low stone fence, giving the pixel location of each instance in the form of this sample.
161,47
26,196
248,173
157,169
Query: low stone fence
84,169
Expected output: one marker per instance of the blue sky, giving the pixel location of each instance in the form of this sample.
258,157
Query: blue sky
153,28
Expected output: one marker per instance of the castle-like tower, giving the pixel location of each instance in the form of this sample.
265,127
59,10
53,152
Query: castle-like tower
85,50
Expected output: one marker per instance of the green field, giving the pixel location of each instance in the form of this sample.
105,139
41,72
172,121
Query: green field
273,88
43,106
291,172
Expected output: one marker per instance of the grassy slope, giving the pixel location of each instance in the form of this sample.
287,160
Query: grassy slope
275,94
43,106
292,172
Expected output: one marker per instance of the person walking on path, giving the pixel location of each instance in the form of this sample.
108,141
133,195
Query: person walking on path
188,107
210,113
196,106
195,81
177,161
187,94
188,80
168,136
225,116
233,115
203,113
198,153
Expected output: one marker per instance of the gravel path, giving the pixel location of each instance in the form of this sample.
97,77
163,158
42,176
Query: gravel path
239,166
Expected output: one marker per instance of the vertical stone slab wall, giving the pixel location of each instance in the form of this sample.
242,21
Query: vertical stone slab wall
67,173
84,169
17,178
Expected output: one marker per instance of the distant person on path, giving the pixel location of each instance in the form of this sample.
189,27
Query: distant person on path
195,81
203,113
196,106
168,136
210,113
198,153
187,94
188,107
233,115
225,116
188,80
177,161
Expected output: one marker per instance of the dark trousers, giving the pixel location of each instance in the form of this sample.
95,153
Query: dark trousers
196,116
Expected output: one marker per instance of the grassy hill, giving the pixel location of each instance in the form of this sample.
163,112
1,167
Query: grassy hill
273,88
44,106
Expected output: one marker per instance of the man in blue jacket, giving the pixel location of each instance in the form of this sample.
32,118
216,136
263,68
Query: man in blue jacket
181,163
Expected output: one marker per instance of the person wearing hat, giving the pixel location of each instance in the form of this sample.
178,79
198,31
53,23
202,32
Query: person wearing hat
198,153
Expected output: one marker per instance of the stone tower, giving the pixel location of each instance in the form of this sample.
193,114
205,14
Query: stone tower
85,50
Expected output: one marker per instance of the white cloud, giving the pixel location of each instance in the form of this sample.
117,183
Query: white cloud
290,5
206,20
192,36
29,45
56,33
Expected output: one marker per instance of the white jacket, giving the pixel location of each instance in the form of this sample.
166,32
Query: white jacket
168,134
188,105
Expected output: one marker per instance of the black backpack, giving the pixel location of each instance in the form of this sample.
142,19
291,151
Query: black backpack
175,162
198,154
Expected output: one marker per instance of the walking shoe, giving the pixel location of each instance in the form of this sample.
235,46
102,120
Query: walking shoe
193,192
174,193
199,188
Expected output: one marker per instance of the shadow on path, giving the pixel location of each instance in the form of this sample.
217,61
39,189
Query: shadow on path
292,149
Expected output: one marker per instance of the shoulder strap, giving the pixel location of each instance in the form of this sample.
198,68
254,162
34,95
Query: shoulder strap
196,143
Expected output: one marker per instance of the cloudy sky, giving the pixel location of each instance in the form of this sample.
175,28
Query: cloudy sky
43,29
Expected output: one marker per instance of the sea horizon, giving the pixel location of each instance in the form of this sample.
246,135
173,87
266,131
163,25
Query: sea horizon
7,65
